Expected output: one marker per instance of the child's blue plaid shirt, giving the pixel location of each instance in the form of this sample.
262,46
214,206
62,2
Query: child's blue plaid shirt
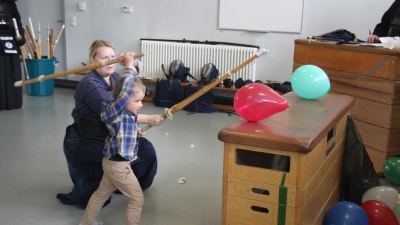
121,123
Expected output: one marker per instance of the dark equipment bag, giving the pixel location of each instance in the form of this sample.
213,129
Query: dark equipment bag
341,36
203,104
209,73
168,93
239,83
177,70
228,83
358,172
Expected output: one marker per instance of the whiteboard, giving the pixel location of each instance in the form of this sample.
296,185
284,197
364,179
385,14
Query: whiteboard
261,15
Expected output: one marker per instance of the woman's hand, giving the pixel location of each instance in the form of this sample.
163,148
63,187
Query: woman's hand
373,39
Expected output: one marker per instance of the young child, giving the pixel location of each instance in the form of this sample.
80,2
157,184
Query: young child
121,147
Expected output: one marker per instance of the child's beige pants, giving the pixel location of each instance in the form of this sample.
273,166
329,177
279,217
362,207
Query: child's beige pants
117,175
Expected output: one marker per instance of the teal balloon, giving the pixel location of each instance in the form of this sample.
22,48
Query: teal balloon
391,169
310,82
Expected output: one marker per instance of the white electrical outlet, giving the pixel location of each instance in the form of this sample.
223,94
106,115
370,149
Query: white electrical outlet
73,21
127,9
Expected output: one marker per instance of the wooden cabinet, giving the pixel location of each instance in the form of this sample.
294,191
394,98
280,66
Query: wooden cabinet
372,76
285,169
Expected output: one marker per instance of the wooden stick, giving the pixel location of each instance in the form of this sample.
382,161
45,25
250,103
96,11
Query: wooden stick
33,31
27,43
168,112
23,53
58,37
71,71
48,39
51,43
17,34
39,51
30,49
19,37
39,45
271,82
24,56
32,41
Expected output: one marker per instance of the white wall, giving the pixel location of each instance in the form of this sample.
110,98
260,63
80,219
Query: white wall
198,20
43,11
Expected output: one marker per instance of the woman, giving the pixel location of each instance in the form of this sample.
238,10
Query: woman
385,28
10,65
84,139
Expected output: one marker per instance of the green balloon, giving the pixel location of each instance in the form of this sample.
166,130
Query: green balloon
391,169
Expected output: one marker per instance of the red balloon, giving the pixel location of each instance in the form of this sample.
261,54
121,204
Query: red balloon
379,213
254,102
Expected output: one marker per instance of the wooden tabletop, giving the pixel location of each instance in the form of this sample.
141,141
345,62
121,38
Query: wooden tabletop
350,47
298,129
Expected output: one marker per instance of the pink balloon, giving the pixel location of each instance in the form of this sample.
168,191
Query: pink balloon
379,213
254,102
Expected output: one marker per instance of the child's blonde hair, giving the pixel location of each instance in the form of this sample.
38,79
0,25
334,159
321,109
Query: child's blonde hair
138,86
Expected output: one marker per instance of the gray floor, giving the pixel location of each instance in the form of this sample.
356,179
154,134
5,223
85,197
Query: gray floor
33,168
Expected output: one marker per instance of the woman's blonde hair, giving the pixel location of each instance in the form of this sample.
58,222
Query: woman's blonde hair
97,44
138,86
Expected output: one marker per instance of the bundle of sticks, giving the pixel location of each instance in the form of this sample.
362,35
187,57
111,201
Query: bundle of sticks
35,45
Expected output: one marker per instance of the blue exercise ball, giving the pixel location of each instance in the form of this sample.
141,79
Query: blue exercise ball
346,213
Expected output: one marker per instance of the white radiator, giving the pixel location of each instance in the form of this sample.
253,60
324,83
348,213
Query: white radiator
194,56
